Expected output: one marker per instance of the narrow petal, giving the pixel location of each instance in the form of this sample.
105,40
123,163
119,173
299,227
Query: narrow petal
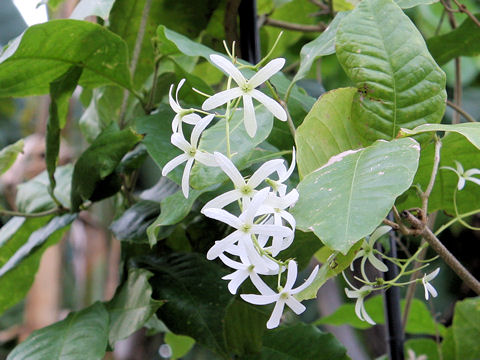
274,107
272,230
291,276
223,216
228,68
432,275
249,116
263,172
221,246
234,284
229,168
274,320
259,299
180,84
307,282
430,289
461,183
259,262
223,200
249,213
290,169
366,317
471,172
221,98
198,129
260,285
358,308
352,294
267,72
205,158
295,305
179,141
186,177
459,167
191,119
172,164
380,266
172,102
474,180
231,263
176,124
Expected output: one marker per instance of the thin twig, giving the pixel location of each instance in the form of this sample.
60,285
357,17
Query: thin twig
54,211
293,26
320,4
463,9
462,112
425,195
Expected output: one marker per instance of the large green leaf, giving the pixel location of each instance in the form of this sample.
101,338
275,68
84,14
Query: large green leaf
82,335
99,162
326,131
33,196
301,342
131,306
333,199
241,145
406,4
14,237
466,329
196,297
46,51
9,154
446,47
399,83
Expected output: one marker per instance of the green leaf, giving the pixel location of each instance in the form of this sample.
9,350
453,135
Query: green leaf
33,196
196,297
406,4
85,8
82,335
399,83
301,342
99,162
132,225
131,306
15,237
9,154
61,90
326,131
448,345
466,329
323,45
46,51
425,347
180,344
470,130
447,47
333,199
241,145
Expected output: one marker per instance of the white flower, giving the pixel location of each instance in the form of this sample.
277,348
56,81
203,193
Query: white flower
284,296
368,252
283,175
429,289
464,175
190,154
360,294
246,89
244,190
186,115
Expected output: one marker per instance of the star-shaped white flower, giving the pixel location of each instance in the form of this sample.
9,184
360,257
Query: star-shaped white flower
246,89
185,115
429,289
284,296
278,186
360,294
464,175
367,252
190,154
244,190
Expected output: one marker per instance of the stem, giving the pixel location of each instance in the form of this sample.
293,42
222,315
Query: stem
444,253
453,221
53,211
468,226
293,26
462,112
463,9
428,191
290,123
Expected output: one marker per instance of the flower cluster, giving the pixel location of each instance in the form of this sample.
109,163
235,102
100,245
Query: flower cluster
262,225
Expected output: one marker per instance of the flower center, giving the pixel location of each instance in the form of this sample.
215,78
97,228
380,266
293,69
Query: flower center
192,151
246,190
246,88
246,228
284,295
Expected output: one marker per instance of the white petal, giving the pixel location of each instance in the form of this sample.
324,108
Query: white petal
377,263
176,124
430,289
223,216
249,116
461,183
274,107
172,164
231,263
249,213
474,180
432,275
180,84
291,276
260,285
285,176
221,98
172,102
240,277
186,177
221,246
191,119
229,168
260,264
228,68
198,129
205,158
259,299
352,294
276,314
271,230
366,317
358,308
263,172
223,200
378,233
267,72
471,172
179,141
295,305
459,167
307,282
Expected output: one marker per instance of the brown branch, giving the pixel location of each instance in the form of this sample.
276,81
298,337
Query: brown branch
320,4
425,195
462,112
293,26
463,9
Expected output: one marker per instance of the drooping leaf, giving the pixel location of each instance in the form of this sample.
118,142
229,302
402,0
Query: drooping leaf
85,8
326,131
33,196
46,51
334,197
470,130
196,297
9,154
13,236
99,162
131,306
446,47
301,342
399,83
466,329
321,46
82,335
61,90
